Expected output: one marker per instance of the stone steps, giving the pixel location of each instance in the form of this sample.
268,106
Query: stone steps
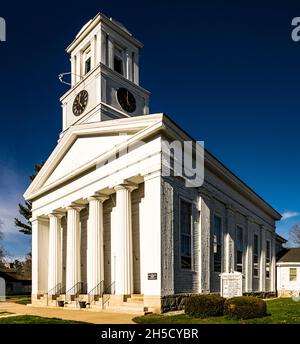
132,304
135,300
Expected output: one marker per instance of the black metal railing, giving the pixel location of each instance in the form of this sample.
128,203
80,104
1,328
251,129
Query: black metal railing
96,292
75,291
110,290
55,291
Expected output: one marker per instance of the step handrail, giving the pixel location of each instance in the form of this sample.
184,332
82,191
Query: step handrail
57,290
75,290
98,290
110,290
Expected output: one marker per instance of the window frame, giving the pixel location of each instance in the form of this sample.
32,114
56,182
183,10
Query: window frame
268,260
293,280
241,228
216,215
255,255
119,55
191,269
86,55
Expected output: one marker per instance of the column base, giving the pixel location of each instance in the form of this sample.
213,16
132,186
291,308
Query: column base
38,300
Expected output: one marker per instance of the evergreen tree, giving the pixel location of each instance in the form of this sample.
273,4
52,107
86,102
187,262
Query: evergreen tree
25,209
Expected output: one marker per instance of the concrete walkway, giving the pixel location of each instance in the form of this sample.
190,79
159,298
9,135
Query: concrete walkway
67,314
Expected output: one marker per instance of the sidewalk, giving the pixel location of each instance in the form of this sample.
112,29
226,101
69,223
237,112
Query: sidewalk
78,315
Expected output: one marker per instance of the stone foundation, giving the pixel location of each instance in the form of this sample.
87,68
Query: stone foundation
173,302
177,301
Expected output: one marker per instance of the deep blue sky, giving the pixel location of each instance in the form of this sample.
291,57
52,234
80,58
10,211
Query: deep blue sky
227,72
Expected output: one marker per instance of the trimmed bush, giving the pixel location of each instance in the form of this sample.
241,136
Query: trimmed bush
201,306
245,307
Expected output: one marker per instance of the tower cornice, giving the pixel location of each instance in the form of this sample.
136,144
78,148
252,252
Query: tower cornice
110,23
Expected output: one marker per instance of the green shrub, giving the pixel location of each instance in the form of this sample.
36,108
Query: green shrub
245,307
201,306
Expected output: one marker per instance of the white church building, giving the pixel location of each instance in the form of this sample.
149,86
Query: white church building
109,228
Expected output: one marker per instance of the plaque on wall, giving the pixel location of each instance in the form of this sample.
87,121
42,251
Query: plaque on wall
152,276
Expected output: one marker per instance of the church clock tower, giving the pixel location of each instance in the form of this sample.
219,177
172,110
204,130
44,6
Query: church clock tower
104,75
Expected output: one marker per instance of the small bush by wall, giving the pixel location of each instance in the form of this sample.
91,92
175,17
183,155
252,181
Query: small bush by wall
200,306
245,307
261,294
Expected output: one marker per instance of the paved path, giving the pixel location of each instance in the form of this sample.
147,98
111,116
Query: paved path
78,315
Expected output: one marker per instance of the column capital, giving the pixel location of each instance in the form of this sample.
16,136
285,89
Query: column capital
75,206
56,214
97,196
126,186
41,218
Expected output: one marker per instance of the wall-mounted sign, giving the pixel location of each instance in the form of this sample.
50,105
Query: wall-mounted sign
152,276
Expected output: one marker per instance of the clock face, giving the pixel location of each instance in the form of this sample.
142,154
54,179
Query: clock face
126,100
80,102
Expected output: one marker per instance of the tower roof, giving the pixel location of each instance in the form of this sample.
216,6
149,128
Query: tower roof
112,23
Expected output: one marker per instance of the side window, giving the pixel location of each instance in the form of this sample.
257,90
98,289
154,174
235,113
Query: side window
118,60
293,274
87,60
186,234
255,256
217,243
239,248
268,258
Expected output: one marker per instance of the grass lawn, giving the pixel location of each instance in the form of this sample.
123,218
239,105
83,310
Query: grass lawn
281,311
30,319
20,299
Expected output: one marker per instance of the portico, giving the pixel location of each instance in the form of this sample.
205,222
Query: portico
90,276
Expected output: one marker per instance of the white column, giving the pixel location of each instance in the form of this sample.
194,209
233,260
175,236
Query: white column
124,264
206,254
95,242
229,240
110,48
129,65
262,270
94,52
55,253
103,48
273,263
40,239
249,256
73,271
73,70
78,67
245,258
136,68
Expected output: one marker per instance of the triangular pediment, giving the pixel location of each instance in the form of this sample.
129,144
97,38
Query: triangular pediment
81,147
84,150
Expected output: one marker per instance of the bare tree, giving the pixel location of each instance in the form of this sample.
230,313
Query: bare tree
294,235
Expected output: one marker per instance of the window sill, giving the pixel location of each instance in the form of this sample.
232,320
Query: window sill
188,270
